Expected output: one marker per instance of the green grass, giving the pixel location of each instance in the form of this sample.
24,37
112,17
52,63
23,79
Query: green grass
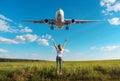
72,71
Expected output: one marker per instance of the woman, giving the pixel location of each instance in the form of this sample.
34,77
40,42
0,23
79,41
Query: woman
59,50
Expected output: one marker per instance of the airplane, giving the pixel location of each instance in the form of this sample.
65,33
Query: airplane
60,21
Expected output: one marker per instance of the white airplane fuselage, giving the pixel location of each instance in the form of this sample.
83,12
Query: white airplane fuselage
60,18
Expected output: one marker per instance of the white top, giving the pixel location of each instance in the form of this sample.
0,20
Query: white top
59,53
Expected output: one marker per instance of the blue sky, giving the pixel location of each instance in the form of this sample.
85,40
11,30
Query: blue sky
91,41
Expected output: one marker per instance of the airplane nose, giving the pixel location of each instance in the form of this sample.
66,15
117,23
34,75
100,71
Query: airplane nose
60,11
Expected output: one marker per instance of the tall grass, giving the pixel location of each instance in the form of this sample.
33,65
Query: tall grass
72,71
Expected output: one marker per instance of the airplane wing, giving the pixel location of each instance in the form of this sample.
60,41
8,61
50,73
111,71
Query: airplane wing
46,21
72,21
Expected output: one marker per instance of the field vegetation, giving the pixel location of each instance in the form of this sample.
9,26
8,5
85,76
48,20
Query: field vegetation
72,71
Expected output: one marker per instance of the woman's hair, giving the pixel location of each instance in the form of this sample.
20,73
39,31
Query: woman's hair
60,47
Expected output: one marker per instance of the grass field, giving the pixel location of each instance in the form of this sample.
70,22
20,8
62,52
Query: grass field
72,71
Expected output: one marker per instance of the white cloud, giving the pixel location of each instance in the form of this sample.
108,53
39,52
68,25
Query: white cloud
5,18
106,48
47,36
27,37
114,21
20,39
4,27
107,2
7,25
3,51
115,7
7,41
43,41
30,37
20,26
26,30
110,6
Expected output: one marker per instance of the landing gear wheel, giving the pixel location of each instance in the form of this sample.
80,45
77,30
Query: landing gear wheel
67,28
52,27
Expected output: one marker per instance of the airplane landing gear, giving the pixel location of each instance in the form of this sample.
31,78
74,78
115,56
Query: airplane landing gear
67,28
52,27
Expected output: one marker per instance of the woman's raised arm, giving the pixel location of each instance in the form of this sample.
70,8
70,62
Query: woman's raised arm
54,43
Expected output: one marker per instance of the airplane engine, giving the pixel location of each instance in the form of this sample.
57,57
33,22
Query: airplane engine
46,20
73,21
